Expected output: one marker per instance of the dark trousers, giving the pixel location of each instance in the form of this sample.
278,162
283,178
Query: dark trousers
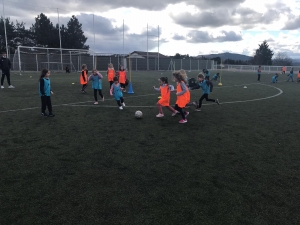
258,77
205,96
46,102
180,110
7,74
120,101
110,83
95,94
84,87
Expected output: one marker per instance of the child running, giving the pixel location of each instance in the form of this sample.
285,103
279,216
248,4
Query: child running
291,75
275,78
207,74
116,91
215,77
122,78
111,74
83,78
165,97
96,79
206,91
182,95
45,92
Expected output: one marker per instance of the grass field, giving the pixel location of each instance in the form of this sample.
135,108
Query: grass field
237,163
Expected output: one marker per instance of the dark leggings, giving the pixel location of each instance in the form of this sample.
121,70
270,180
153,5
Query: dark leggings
46,102
205,96
120,101
258,77
110,83
7,74
95,94
84,87
180,110
122,85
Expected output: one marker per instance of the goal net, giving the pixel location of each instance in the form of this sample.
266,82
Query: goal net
27,59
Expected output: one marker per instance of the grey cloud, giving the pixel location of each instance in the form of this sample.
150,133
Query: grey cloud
178,37
205,37
239,16
292,24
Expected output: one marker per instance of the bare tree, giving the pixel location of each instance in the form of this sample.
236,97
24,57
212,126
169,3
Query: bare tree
282,59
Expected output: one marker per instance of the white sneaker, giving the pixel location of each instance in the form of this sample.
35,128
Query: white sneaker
123,104
2,87
10,86
121,108
160,115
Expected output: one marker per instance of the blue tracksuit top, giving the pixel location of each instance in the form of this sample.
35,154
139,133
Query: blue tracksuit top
205,87
44,87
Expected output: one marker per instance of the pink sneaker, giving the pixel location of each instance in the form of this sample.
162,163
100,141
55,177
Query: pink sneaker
160,115
183,121
175,113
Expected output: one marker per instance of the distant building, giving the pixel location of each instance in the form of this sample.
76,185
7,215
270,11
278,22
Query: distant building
143,55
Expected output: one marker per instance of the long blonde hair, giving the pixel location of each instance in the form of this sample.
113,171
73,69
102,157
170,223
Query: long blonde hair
179,76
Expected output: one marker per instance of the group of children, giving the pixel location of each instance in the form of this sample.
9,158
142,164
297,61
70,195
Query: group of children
290,76
182,94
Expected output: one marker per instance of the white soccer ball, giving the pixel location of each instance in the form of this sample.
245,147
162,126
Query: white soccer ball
138,114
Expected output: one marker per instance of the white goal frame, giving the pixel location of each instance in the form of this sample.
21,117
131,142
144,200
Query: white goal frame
90,52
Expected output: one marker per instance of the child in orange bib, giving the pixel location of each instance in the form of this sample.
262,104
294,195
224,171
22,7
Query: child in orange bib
83,78
122,78
165,97
183,96
111,74
298,78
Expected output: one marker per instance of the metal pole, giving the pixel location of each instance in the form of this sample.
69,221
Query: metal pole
123,39
70,61
37,63
19,56
59,40
147,50
4,21
94,42
158,50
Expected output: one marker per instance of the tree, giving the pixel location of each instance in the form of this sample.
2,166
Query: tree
46,35
282,59
23,36
75,35
263,55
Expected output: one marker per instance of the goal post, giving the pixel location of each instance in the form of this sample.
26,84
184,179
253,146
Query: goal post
28,59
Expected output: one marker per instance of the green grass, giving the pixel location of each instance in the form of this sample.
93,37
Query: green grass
230,164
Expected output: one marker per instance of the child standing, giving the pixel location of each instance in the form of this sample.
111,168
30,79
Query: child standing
258,73
291,75
122,78
298,78
96,78
182,96
111,74
45,92
165,97
116,91
275,78
207,74
83,78
206,91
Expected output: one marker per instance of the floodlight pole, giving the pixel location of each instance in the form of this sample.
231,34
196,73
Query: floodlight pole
94,42
147,50
4,22
158,50
123,46
61,61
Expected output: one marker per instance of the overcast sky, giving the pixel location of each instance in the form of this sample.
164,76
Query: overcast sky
193,27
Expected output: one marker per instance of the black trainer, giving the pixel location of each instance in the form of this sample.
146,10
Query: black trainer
51,114
44,114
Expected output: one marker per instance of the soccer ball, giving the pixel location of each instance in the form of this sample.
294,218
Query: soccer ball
138,114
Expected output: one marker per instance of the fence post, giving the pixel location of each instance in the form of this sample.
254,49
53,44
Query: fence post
181,64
